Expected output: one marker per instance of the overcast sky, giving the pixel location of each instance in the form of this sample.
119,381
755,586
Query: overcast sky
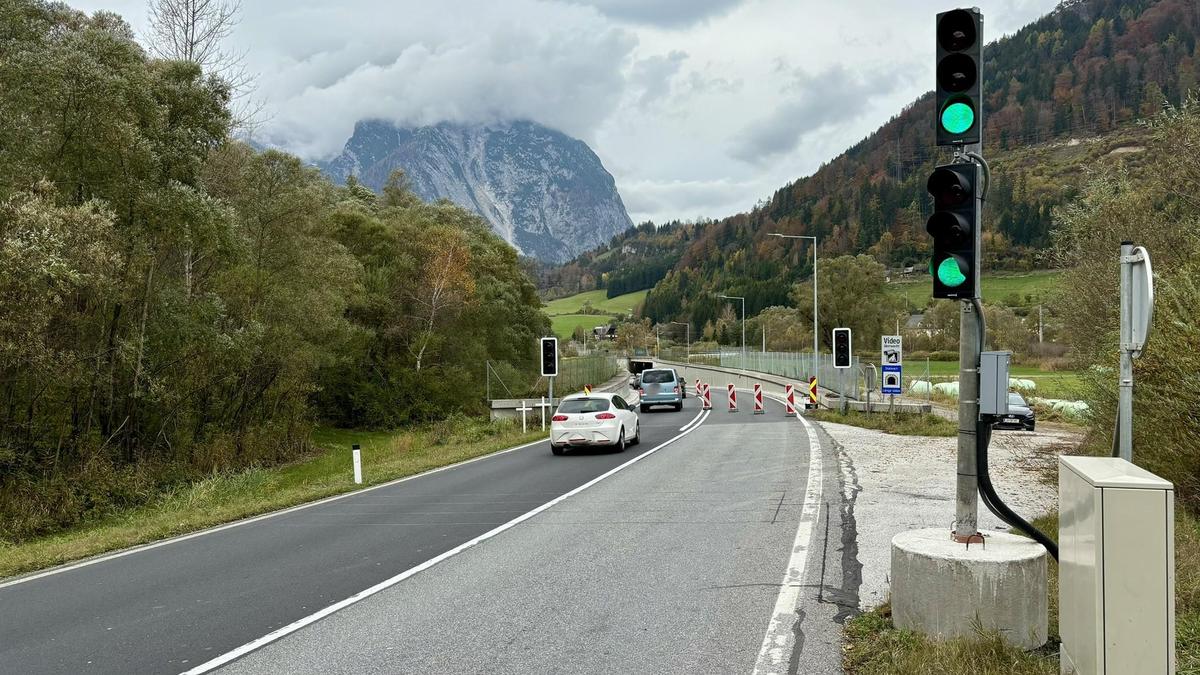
699,108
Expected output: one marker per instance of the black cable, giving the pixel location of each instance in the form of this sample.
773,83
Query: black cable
983,438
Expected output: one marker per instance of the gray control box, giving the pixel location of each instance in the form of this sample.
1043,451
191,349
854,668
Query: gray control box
993,383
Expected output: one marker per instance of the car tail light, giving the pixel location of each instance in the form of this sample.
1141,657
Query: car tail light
606,416
641,392
676,390
559,418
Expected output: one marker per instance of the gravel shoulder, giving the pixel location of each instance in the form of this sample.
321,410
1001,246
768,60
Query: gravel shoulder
907,482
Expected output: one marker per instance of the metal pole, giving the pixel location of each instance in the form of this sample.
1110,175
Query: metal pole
967,508
815,328
743,333
551,397
1125,390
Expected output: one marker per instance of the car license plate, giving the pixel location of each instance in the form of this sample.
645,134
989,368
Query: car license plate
1011,419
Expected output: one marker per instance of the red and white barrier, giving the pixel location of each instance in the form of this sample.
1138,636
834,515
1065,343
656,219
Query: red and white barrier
790,398
732,399
758,399
707,396
699,389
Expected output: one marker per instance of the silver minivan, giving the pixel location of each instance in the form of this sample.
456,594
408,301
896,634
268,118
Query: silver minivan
660,386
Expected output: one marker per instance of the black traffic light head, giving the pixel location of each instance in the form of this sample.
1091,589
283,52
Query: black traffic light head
841,347
954,227
959,77
549,356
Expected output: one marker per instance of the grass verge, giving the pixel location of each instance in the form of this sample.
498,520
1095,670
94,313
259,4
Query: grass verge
903,424
874,646
225,497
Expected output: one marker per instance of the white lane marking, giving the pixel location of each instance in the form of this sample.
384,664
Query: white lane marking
235,654
685,427
237,523
777,645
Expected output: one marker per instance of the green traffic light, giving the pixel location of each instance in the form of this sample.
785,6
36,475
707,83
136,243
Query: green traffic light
950,274
958,117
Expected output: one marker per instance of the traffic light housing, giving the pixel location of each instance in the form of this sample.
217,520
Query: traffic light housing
549,357
954,227
841,347
959,110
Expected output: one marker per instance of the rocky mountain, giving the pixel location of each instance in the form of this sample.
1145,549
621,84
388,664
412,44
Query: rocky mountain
544,192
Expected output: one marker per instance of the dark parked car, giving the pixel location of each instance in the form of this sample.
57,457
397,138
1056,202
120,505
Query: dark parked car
1020,415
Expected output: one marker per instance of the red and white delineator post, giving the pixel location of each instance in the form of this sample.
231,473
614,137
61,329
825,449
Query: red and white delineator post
732,399
699,388
707,397
758,400
789,400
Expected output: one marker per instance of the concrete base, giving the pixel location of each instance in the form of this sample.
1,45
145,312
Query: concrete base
942,589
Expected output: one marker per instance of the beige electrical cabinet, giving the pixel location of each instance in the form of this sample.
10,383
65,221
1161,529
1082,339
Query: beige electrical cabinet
1116,568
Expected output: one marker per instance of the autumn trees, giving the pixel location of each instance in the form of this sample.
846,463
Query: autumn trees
172,301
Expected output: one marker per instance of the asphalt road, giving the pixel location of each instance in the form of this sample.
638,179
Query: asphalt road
673,564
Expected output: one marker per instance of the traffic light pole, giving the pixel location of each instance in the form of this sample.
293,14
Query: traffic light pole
966,514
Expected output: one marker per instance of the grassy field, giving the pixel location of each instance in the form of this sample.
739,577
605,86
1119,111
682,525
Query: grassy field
564,325
622,304
225,497
1019,290
1050,384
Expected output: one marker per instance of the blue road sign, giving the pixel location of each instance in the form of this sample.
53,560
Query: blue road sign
892,379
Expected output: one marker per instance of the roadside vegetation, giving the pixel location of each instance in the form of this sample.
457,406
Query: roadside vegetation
1163,215
179,306
903,424
230,495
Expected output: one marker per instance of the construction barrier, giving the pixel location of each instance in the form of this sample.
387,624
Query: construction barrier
758,399
707,396
790,400
732,399
812,392
699,389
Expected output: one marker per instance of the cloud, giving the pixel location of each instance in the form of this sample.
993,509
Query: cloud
815,102
661,13
557,64
702,197
653,75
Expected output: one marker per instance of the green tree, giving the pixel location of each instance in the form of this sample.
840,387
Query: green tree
851,293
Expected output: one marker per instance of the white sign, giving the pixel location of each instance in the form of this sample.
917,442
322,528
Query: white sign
893,350
1141,299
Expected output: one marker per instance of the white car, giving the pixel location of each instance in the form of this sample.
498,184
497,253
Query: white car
594,419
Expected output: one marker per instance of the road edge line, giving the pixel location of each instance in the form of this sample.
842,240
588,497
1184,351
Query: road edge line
284,631
776,650
120,553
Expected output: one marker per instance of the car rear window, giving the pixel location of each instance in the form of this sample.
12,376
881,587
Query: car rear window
583,405
658,376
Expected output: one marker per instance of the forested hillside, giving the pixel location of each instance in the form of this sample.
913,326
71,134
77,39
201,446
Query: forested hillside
1062,97
173,302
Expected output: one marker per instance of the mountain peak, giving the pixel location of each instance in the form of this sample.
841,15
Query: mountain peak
543,191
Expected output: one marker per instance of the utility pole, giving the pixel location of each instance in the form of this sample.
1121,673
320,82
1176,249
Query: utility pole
816,328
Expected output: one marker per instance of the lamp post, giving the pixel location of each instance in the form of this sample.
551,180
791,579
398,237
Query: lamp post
734,297
688,326
816,332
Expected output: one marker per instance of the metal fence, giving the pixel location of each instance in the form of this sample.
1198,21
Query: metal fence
573,374
797,366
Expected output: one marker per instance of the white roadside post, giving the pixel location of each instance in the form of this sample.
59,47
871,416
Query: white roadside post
543,407
523,409
356,453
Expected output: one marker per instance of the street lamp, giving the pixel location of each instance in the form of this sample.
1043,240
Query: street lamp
815,330
689,338
734,297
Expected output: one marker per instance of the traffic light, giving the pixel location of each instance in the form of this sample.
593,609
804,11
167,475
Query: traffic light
549,356
959,77
841,347
954,227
